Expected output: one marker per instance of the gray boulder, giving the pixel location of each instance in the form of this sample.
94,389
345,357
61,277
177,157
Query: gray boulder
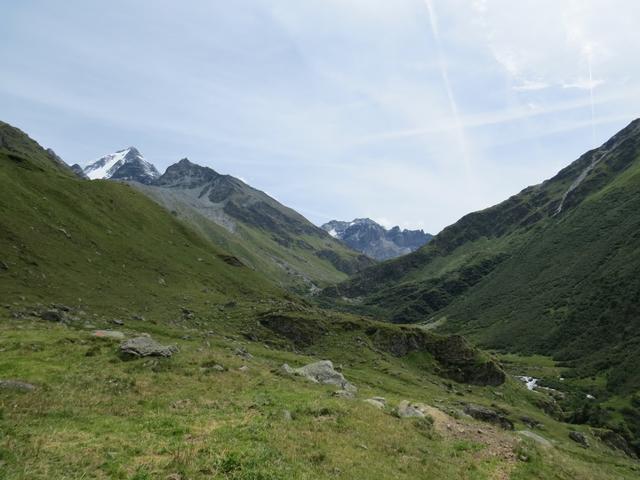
146,347
485,414
378,402
324,373
16,385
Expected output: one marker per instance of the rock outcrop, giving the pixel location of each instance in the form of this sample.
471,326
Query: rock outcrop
321,372
488,415
146,347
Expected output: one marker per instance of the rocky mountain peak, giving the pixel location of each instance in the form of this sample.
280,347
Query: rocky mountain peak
126,164
186,174
374,240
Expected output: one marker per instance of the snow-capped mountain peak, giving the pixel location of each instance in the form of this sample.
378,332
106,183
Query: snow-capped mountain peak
127,164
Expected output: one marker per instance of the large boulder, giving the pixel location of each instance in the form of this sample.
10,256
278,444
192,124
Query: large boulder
146,347
485,414
322,372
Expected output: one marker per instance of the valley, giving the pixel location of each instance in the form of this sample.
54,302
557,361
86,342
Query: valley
427,349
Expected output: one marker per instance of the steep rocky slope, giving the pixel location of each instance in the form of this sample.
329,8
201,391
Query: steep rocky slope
263,233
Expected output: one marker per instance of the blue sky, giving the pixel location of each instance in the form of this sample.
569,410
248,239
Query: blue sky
411,112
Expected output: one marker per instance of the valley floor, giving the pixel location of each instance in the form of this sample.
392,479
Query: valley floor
220,408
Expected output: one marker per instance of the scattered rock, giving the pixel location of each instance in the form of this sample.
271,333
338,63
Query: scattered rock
378,402
535,437
487,415
52,315
323,372
580,438
244,368
16,385
530,422
213,366
343,394
60,306
140,318
115,321
4,266
286,416
242,352
115,334
406,410
145,347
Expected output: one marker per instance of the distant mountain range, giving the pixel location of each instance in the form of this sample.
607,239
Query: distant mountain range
257,229
375,241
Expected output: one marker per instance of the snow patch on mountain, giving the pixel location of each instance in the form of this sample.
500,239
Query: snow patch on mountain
104,167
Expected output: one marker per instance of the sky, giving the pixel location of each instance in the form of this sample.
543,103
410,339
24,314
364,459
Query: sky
410,112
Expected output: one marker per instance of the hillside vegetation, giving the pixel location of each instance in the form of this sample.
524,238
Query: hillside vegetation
552,270
87,267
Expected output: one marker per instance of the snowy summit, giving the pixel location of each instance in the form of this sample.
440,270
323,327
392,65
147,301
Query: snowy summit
127,164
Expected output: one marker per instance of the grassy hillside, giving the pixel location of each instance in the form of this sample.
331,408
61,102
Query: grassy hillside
208,412
78,257
552,270
539,272
101,243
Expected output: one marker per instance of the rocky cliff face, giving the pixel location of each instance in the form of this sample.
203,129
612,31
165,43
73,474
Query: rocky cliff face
375,241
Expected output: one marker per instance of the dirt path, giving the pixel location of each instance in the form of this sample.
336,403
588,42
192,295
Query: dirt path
498,443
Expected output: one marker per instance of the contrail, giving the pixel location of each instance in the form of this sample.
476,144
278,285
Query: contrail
444,73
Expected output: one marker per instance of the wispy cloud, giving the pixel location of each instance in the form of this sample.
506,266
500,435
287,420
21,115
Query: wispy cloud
327,103
444,73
